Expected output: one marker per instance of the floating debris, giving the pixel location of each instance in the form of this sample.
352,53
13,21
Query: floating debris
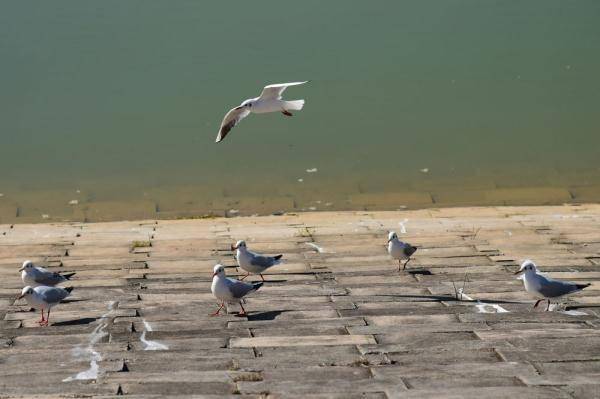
45,216
328,203
234,211
300,180
313,170
424,170
312,208
1,195
74,202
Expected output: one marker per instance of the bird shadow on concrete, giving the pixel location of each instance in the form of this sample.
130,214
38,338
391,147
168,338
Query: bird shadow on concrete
265,316
76,322
582,306
423,272
71,300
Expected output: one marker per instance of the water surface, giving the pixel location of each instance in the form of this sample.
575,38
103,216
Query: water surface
118,102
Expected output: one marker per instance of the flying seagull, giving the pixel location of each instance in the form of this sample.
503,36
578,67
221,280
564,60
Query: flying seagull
399,250
43,297
34,275
268,101
544,288
228,289
253,262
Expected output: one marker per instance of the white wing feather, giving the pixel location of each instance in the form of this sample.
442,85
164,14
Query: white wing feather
232,118
275,90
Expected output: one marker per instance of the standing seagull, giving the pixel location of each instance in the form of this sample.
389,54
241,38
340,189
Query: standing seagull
268,101
34,275
545,288
42,297
399,250
253,262
228,289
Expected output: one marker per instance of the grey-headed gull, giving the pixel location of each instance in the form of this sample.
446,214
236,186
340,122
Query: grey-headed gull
227,289
544,288
34,275
399,250
253,262
269,101
43,297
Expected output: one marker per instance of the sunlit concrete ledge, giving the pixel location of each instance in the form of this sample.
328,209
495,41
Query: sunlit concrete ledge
336,319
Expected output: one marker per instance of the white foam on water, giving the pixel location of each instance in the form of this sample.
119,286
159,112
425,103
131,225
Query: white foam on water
313,170
88,352
148,344
402,226
316,247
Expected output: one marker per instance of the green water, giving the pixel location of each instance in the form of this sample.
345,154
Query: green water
121,98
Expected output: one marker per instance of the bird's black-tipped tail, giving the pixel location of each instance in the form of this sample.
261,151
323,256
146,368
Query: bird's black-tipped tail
257,285
68,289
277,257
68,275
582,286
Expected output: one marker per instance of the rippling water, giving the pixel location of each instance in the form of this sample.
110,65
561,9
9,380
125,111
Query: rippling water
118,103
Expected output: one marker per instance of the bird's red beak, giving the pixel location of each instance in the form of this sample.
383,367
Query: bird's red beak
519,272
20,296
214,274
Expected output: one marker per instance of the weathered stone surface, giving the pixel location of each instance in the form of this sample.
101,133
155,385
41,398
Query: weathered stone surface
335,320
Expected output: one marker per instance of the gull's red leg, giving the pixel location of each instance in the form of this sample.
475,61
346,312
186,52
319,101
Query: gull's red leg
548,307
243,312
537,303
47,318
42,319
399,264
261,276
406,263
218,310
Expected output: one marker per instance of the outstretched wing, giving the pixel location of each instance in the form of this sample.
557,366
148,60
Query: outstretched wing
275,90
232,118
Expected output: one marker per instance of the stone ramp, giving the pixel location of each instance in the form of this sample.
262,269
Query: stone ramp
335,320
